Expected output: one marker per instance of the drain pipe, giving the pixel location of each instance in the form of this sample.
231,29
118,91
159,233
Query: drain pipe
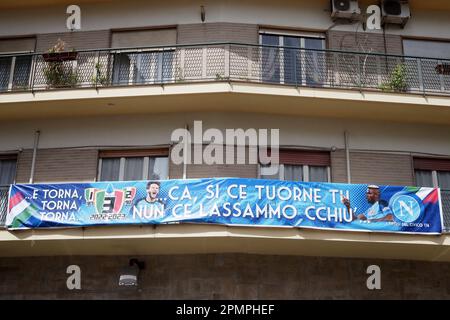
185,151
347,157
33,162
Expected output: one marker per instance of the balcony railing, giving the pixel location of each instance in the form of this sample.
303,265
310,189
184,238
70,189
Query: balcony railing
3,204
445,196
224,62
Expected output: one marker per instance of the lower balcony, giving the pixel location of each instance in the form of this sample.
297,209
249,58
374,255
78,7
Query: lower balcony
200,238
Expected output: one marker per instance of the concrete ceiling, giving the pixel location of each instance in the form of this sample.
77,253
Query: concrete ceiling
223,97
416,4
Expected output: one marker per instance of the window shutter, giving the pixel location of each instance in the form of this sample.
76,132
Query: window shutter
159,152
300,157
8,156
144,38
17,45
432,164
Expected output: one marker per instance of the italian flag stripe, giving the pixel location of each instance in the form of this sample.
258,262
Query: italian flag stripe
16,211
21,218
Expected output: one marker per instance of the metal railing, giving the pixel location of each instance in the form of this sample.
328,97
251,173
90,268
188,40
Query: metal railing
3,204
224,62
445,197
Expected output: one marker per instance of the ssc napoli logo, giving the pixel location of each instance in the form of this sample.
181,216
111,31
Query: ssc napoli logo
405,208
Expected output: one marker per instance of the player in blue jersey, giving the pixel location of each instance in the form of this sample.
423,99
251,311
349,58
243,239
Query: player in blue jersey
151,206
378,210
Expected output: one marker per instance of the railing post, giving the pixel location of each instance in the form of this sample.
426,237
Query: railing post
295,67
204,62
227,62
33,72
162,67
359,72
420,75
11,73
336,74
96,71
249,62
441,76
379,77
182,63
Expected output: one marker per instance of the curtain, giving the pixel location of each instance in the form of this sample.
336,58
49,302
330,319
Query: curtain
7,172
158,168
110,169
424,178
444,179
133,168
318,174
293,173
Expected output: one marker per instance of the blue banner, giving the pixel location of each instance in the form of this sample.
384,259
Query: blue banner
228,201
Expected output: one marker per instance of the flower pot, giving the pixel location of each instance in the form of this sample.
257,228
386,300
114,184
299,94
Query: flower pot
60,56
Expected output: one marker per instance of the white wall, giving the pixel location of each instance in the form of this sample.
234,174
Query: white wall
147,130
305,14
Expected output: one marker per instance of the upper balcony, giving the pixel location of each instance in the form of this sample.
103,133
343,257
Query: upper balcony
233,67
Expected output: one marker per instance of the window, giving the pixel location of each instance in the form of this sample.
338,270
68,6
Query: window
300,166
426,48
143,67
293,66
7,170
139,66
432,172
432,71
15,68
133,165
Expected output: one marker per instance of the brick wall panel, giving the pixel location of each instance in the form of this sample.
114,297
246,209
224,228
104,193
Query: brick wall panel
224,276
82,40
58,165
364,41
376,168
217,32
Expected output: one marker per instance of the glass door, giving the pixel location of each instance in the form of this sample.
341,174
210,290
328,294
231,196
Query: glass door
293,59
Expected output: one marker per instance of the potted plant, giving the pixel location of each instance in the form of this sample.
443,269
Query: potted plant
57,53
397,80
57,72
99,78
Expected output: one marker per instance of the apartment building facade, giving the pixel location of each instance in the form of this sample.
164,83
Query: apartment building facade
353,105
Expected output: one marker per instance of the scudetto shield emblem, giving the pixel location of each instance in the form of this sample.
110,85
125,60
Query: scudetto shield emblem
109,202
130,193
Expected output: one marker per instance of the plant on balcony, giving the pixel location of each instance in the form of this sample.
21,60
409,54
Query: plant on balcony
179,75
57,53
57,72
397,80
220,77
99,78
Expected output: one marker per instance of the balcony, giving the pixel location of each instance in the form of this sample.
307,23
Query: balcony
201,238
224,62
3,204
445,196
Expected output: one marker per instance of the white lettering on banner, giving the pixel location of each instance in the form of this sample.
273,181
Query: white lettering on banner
59,205
329,214
408,208
58,216
60,193
148,212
